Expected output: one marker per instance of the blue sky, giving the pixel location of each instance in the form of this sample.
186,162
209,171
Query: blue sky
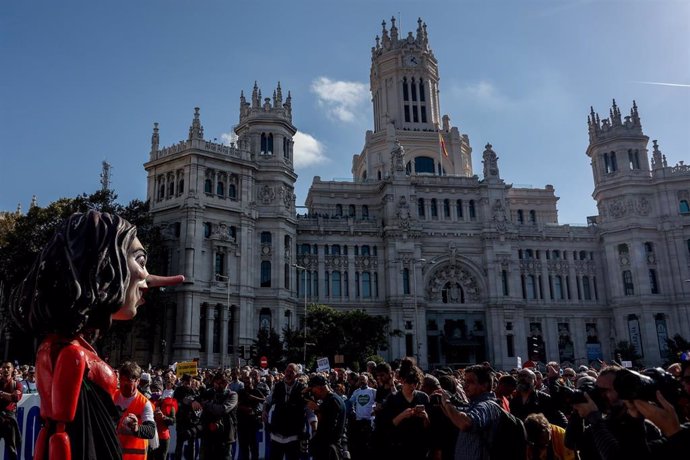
84,81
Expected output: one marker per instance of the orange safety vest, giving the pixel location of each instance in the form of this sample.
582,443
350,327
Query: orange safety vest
133,448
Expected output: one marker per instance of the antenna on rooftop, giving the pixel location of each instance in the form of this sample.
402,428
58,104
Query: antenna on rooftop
105,176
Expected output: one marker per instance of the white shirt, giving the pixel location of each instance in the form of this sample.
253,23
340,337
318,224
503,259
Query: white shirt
363,401
123,403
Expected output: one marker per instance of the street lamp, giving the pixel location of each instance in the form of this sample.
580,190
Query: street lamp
304,269
220,277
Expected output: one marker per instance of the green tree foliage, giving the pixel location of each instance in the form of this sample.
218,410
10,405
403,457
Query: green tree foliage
268,344
354,334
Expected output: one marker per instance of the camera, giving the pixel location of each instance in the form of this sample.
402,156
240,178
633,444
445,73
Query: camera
565,396
632,385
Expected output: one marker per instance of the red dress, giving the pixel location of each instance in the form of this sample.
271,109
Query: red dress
76,389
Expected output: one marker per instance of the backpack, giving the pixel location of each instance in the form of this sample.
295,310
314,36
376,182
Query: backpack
508,438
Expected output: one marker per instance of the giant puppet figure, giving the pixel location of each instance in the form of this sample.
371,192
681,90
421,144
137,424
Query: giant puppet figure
93,271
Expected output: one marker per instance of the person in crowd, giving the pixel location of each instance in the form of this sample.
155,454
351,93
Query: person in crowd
546,441
29,386
164,410
475,422
188,419
610,431
404,421
250,401
218,406
675,444
361,425
10,395
327,442
505,389
528,400
145,384
235,383
539,381
91,272
137,425
569,377
285,413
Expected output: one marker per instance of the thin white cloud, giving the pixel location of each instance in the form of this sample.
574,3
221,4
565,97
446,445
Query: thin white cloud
228,138
659,83
308,151
343,100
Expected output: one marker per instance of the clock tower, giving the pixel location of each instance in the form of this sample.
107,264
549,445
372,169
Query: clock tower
404,80
410,136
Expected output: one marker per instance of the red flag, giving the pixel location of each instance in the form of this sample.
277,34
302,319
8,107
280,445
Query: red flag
443,144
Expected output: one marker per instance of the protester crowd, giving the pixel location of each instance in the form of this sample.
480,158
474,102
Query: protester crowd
393,410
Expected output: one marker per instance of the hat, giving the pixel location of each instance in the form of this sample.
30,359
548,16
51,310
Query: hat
317,381
145,377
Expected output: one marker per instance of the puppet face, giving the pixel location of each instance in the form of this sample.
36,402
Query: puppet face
136,263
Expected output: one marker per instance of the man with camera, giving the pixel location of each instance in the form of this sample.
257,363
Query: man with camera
326,442
603,428
529,400
218,407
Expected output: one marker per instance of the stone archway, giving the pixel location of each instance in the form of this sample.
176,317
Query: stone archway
454,276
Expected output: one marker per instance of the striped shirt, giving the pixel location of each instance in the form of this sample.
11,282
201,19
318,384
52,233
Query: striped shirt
473,444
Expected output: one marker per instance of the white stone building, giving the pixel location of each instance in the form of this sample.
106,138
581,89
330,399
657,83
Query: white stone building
467,267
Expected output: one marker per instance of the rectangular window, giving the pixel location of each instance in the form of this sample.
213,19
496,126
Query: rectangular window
406,281
407,113
219,268
366,285
586,290
510,345
653,282
628,287
504,282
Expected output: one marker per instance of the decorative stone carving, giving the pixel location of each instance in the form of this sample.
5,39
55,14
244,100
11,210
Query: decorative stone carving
453,275
622,207
267,194
403,213
397,158
499,216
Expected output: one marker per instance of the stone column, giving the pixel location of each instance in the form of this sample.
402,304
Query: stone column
224,309
210,318
551,339
578,336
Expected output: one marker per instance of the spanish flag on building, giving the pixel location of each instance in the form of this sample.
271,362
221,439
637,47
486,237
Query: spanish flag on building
442,143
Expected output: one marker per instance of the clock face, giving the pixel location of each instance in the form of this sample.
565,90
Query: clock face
411,60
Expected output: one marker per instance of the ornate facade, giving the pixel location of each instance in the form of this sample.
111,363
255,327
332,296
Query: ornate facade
467,268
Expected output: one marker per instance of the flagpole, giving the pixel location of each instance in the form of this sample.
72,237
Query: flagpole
440,153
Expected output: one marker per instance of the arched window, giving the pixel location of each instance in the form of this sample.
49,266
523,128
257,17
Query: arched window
180,186
586,288
335,284
473,211
220,188
458,208
232,191
406,280
532,216
420,207
161,192
351,212
208,186
520,216
406,95
265,319
286,148
446,208
628,286
171,188
633,159
207,229
614,163
434,208
366,285
265,273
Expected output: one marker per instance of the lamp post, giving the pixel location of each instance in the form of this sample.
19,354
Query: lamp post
220,277
416,315
304,269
